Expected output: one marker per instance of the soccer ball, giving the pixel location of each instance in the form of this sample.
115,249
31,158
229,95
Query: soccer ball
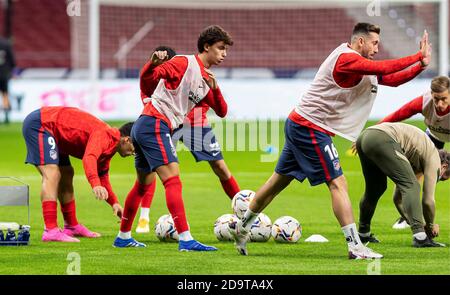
240,202
221,227
286,229
165,229
261,229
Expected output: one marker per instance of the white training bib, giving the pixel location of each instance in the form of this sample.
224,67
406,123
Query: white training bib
439,126
343,111
177,103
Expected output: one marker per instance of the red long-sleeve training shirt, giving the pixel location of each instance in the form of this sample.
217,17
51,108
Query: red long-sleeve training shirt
408,110
83,136
173,71
351,67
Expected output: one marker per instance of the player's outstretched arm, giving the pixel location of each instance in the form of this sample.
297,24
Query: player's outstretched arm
100,192
406,111
159,68
429,188
112,198
401,77
425,49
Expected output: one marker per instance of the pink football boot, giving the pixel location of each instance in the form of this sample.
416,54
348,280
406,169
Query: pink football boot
80,230
57,235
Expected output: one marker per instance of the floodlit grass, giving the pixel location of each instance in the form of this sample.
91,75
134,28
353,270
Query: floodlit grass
205,201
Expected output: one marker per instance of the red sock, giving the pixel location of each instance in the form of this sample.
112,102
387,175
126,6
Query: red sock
148,196
175,203
69,212
230,186
132,205
50,214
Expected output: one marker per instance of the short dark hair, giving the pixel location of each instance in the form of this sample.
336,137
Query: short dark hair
365,28
170,51
125,129
440,84
445,157
211,35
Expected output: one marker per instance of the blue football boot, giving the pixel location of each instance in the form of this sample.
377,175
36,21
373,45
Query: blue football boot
193,245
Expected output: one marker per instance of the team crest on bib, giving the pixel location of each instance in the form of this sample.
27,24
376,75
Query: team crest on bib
53,154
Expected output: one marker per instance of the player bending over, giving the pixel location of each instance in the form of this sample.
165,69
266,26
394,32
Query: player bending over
401,151
182,83
338,101
198,136
434,105
52,134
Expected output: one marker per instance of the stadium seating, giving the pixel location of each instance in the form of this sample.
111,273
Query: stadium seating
285,41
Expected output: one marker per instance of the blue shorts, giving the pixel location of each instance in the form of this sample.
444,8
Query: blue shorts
200,141
42,148
308,153
152,144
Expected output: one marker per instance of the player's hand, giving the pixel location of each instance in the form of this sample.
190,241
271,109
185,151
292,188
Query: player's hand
100,193
425,49
158,57
432,230
212,82
117,210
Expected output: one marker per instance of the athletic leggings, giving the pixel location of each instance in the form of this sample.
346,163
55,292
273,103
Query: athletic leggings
382,157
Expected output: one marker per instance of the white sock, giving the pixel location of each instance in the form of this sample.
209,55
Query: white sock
248,219
420,236
351,235
124,235
145,213
185,236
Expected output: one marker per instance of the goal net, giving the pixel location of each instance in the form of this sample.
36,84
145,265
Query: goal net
286,37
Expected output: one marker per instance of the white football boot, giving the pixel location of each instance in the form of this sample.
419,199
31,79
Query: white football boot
362,252
400,224
240,237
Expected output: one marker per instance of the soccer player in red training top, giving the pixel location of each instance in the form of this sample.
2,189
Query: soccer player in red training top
182,83
338,101
434,105
52,134
198,136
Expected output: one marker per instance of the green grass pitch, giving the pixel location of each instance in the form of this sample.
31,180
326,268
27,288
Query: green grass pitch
204,202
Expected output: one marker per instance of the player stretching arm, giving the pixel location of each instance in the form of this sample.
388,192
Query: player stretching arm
197,135
338,101
52,134
183,82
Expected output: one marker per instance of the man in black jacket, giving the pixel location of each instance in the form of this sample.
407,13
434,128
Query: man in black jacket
7,64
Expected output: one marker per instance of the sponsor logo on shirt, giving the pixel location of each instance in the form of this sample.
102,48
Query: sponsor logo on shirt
195,98
439,129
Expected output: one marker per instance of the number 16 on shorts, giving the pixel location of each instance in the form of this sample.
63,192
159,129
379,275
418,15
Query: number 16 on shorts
332,153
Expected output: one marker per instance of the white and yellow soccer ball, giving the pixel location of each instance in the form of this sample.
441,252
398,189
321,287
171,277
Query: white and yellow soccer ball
221,227
240,202
286,229
261,228
165,229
